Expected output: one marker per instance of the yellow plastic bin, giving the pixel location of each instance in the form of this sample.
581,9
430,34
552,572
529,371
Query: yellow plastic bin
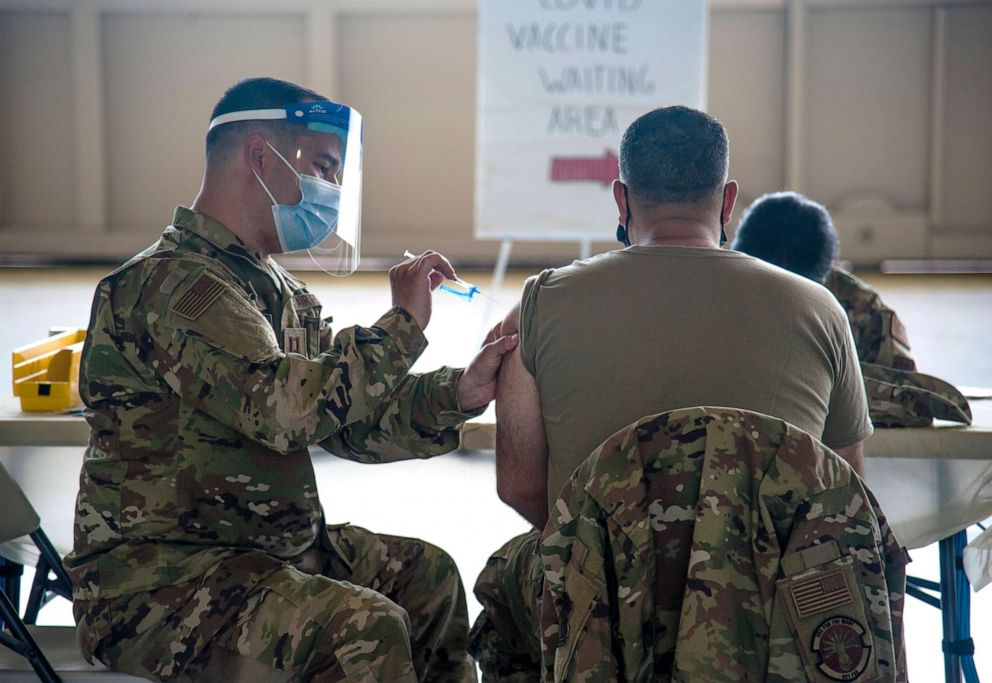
46,372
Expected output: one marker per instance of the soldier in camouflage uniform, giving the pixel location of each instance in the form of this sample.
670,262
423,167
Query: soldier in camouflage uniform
796,233
201,547
713,544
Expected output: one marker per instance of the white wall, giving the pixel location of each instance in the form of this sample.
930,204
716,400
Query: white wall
878,108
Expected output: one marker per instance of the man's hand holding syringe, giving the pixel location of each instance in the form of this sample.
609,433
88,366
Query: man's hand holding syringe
412,283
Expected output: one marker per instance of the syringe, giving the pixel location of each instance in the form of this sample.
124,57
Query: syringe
468,289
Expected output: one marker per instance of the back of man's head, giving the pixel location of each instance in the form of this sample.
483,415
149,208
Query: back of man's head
252,93
674,155
791,231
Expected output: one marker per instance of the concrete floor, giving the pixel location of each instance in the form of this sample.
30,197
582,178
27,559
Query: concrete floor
451,501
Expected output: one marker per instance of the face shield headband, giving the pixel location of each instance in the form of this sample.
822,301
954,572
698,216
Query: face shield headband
322,116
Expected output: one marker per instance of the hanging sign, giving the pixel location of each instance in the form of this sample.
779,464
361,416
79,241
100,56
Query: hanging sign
559,81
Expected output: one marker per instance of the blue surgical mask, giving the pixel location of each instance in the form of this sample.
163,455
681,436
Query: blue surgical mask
309,222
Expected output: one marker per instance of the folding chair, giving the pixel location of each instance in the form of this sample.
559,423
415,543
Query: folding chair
26,645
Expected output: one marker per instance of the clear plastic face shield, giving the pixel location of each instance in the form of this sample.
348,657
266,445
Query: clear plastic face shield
325,155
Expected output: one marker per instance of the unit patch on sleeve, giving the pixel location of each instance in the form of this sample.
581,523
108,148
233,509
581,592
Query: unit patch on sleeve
198,297
828,619
839,643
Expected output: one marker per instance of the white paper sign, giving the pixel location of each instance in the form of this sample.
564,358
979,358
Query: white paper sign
559,81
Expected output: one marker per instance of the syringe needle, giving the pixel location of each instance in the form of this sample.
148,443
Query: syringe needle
495,301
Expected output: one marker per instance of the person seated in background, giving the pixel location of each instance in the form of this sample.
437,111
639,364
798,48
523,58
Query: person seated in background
796,233
670,321
202,551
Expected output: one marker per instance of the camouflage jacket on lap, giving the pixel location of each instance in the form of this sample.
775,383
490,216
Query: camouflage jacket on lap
207,373
713,544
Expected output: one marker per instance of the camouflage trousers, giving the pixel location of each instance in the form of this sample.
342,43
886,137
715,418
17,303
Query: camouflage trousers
505,638
393,610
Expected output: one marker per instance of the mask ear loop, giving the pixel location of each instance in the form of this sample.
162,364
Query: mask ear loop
622,236
723,231
259,179
276,152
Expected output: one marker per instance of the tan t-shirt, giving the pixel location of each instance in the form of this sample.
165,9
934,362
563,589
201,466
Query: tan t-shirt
648,329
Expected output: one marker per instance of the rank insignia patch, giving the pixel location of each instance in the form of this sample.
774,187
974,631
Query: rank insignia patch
295,340
839,644
198,297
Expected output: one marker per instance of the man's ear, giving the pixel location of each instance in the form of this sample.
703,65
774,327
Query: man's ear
620,197
254,152
729,200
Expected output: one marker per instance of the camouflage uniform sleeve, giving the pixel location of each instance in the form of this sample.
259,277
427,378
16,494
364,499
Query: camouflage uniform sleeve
879,335
420,420
209,343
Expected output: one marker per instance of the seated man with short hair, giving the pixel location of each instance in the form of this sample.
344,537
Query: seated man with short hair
670,321
796,233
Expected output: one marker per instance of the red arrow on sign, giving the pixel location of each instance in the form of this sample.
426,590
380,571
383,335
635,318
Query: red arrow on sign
585,169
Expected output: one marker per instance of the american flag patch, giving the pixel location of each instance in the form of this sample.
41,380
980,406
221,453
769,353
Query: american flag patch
305,301
820,594
198,297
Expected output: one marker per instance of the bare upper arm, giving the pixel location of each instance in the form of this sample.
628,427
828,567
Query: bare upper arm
511,323
521,443
854,455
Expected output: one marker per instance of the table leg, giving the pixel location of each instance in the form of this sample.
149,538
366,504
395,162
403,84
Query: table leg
955,602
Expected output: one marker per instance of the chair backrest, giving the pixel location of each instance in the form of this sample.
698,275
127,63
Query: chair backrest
19,517
718,544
